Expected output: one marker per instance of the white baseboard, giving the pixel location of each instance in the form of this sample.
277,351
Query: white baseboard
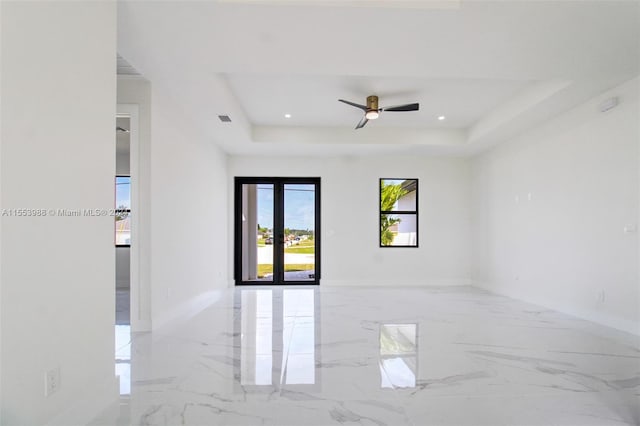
388,283
140,325
621,324
187,309
395,283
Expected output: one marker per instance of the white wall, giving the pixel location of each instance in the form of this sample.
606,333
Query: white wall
350,225
182,216
565,248
57,152
189,215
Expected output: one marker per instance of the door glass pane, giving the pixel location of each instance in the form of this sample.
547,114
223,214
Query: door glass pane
123,213
299,232
257,232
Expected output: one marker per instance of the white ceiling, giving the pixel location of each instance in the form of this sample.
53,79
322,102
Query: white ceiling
313,100
492,68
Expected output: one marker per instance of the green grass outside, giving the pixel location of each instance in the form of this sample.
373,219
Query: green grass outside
300,250
304,247
264,268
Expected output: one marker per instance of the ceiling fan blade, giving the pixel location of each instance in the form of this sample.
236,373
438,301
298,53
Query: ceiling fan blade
362,107
407,107
362,123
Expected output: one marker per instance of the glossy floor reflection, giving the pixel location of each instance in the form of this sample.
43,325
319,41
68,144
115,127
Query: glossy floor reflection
325,356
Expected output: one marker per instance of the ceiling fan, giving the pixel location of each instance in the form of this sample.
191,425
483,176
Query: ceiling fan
371,110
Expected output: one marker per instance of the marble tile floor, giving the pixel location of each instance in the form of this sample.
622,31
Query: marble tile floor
376,356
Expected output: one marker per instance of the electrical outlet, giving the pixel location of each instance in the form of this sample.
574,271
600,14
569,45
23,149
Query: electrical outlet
51,381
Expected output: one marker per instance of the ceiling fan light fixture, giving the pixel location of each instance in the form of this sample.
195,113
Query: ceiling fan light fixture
372,114
372,110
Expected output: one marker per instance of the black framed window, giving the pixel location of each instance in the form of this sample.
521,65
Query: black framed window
122,231
398,212
277,230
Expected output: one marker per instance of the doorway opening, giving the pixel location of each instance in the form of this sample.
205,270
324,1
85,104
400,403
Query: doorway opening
277,230
122,231
126,239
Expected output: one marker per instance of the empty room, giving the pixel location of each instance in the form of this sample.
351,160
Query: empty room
320,212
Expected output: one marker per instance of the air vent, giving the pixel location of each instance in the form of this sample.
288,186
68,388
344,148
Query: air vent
225,118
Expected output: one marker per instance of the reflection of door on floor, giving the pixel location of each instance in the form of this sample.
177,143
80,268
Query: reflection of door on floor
277,230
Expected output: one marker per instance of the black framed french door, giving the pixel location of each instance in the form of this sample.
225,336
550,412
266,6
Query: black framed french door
277,230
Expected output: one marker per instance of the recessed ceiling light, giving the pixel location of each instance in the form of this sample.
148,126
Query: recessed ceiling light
287,116
442,117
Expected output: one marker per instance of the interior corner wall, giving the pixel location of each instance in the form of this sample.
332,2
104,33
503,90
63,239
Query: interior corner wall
57,152
189,214
555,213
136,90
351,255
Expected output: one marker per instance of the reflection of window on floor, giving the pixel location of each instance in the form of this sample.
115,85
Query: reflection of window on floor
299,336
294,314
398,355
123,358
256,350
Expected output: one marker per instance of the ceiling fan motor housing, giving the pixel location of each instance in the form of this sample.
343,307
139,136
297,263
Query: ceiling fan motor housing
372,103
372,110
